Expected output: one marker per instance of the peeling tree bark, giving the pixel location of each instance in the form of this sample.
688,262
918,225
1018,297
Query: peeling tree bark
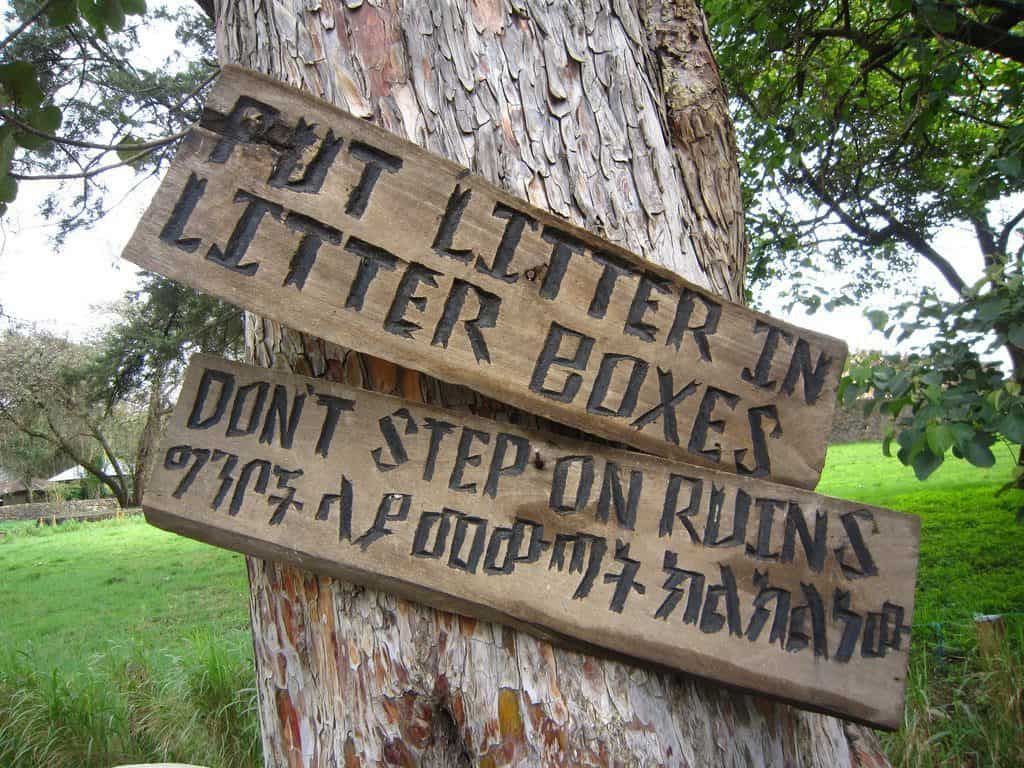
612,115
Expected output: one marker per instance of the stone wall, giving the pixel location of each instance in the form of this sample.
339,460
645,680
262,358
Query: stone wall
851,426
58,509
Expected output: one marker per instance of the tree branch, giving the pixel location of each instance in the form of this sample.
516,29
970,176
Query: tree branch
26,24
155,144
994,37
1007,230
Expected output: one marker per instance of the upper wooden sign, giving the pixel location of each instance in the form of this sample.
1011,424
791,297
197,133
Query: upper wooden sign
289,207
764,587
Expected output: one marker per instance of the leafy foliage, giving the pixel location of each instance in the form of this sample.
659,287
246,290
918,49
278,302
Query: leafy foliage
946,397
75,102
866,128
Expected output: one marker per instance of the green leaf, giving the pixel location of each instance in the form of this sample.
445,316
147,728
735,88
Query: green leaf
113,14
46,119
19,83
940,438
1012,426
62,12
925,463
8,189
134,7
977,451
1016,335
878,318
128,155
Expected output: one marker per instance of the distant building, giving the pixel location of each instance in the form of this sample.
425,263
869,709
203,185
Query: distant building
15,492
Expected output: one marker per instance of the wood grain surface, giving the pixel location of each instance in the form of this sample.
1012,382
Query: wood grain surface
756,585
290,207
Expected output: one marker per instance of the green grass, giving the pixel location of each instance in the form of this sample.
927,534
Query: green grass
121,643
962,709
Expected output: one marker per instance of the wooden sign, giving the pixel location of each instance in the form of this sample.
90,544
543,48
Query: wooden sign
289,207
756,585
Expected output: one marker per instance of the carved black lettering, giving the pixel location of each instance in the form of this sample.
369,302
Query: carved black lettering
394,441
286,500
314,234
637,375
226,381
711,621
798,637
642,304
278,416
442,245
766,521
201,456
241,125
549,357
614,268
613,496
315,172
565,247
814,549
762,461
760,376
376,162
517,223
681,324
670,512
498,468
427,524
703,422
740,515
470,562
335,407
177,457
463,457
584,547
262,478
243,233
666,407
226,477
438,430
371,260
800,366
261,388
173,231
852,623
560,477
507,540
674,586
625,581
344,501
384,516
767,594
865,562
486,317
395,321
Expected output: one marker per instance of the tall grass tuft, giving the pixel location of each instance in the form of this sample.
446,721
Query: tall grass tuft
128,707
963,709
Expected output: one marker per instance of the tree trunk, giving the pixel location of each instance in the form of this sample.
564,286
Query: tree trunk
613,116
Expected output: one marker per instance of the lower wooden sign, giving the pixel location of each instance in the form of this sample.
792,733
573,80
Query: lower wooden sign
756,585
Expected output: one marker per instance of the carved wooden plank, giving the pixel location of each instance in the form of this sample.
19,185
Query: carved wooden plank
756,585
289,207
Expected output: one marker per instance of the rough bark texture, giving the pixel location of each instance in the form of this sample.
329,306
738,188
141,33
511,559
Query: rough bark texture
612,115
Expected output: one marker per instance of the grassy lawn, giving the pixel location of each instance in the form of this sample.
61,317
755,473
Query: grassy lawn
122,643
69,594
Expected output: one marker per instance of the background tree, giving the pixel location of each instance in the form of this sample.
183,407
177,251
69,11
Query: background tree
44,394
866,129
27,459
141,358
